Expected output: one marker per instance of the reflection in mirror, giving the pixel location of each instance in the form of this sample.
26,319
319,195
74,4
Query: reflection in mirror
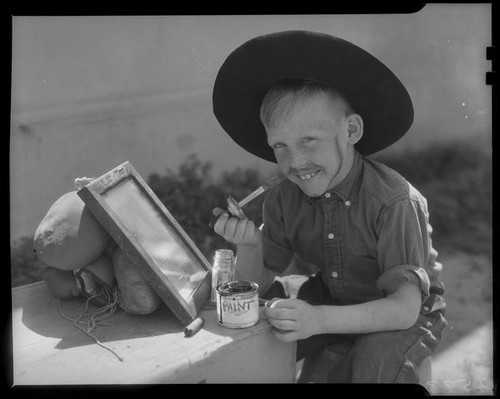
155,237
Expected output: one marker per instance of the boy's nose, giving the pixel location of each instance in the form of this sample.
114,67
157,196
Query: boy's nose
296,159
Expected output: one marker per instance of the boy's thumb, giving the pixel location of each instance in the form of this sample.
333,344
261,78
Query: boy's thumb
271,302
217,211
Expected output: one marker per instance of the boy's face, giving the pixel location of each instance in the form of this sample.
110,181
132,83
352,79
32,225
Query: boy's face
312,144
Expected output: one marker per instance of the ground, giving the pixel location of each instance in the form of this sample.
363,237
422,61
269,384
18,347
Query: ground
463,364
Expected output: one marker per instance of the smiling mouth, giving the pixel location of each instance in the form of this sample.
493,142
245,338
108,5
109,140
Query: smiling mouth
306,176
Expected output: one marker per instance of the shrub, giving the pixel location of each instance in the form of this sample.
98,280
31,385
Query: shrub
456,179
22,262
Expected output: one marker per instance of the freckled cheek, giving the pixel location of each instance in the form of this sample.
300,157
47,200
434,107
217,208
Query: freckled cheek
323,156
281,158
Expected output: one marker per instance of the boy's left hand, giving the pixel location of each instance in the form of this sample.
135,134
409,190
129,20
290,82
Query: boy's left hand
292,319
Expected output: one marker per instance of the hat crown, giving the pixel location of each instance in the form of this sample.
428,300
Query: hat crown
367,84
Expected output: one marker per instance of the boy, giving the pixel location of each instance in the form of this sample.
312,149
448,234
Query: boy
317,105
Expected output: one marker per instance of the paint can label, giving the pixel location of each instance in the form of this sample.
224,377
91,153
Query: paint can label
238,304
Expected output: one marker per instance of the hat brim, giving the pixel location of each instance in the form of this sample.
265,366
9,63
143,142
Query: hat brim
371,88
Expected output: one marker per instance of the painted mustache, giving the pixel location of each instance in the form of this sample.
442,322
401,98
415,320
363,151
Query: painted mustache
304,174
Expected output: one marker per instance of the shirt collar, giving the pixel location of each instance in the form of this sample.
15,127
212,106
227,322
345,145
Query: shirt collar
348,187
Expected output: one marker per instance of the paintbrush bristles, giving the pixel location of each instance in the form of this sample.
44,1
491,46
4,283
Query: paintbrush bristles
273,181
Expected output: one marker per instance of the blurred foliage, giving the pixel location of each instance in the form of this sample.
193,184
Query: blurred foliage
191,193
456,179
22,262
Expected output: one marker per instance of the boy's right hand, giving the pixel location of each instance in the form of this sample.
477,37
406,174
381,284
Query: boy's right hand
236,231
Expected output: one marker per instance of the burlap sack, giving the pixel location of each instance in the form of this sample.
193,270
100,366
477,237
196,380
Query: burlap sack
135,294
69,236
61,283
102,269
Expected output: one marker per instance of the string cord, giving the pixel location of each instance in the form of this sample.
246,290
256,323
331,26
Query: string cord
94,317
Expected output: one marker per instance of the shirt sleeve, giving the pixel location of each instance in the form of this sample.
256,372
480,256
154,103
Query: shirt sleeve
403,246
276,248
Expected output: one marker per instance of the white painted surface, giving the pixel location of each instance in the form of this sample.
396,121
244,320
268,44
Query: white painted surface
466,367
49,350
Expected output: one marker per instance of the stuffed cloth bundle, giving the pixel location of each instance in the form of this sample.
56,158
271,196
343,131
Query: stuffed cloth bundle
69,236
77,256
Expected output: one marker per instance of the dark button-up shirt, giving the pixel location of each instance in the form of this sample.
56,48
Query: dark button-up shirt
366,236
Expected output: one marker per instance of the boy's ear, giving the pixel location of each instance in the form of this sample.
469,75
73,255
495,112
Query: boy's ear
354,128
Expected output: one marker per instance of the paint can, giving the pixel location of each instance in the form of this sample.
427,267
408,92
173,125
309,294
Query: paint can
238,304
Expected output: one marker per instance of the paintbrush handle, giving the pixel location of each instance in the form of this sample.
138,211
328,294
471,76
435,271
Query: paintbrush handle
251,196
268,184
243,202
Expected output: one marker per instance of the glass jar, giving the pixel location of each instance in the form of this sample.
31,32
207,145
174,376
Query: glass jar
222,269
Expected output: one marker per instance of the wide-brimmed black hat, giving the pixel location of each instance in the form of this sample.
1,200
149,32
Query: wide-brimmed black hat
373,91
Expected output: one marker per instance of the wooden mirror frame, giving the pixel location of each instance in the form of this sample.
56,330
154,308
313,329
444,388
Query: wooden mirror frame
184,308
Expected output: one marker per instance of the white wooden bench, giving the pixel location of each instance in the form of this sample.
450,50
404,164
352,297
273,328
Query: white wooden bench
48,349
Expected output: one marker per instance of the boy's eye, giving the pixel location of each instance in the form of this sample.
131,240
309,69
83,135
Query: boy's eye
278,145
307,139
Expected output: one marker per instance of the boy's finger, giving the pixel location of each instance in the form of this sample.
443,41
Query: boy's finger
230,227
284,325
240,229
285,303
279,302
271,301
249,228
220,225
280,313
217,211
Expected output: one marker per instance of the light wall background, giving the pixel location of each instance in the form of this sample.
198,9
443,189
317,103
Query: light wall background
89,93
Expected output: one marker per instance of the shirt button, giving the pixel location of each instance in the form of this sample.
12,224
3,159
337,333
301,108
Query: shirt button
348,203
330,236
327,195
335,274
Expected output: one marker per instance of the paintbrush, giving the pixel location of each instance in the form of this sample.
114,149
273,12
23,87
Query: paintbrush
267,185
